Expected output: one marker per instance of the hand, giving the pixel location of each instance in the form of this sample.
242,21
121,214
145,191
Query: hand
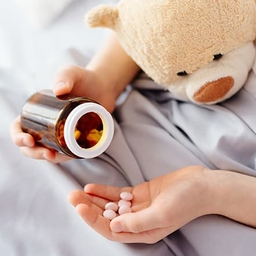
84,82
74,80
159,207
103,80
28,147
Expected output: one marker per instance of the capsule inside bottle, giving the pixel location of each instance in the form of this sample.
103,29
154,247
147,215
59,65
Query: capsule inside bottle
87,133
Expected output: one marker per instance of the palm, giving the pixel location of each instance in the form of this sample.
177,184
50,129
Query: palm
159,207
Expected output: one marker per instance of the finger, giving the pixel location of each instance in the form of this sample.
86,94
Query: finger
94,219
92,215
109,192
102,225
148,237
76,197
80,197
41,153
37,152
20,138
138,222
65,79
55,157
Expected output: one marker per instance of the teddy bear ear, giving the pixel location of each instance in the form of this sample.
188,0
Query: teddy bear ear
102,16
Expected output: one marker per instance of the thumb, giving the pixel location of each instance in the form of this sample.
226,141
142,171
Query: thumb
137,222
65,79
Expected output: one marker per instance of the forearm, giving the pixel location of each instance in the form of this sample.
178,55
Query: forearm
115,67
235,196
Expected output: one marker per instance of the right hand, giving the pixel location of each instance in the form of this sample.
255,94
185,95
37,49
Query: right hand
84,82
74,80
102,80
29,148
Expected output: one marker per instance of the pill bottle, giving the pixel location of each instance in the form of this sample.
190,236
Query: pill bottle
76,126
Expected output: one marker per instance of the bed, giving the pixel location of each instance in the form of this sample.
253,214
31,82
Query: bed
37,38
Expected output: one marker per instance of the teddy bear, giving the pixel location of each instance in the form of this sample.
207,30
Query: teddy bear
201,50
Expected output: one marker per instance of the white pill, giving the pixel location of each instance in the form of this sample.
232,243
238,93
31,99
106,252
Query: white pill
126,196
109,214
124,209
111,206
124,202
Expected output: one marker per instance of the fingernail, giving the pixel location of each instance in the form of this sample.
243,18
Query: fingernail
26,141
117,227
59,85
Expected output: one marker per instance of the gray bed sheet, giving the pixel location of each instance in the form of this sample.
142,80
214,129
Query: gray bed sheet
35,216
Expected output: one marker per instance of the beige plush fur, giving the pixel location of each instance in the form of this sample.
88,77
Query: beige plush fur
165,37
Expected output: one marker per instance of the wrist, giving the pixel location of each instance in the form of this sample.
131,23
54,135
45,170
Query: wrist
112,64
208,197
220,188
226,192
200,196
234,196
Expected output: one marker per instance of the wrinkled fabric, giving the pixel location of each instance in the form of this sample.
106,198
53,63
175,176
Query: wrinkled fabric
156,134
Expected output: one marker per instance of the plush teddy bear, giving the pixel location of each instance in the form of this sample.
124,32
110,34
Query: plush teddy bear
202,50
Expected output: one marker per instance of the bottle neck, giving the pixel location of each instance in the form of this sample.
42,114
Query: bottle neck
70,127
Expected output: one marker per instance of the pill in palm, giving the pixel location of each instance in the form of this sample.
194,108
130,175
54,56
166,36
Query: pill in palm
124,209
111,206
123,202
126,196
123,206
109,214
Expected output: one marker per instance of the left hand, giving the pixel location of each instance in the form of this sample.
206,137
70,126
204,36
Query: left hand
159,207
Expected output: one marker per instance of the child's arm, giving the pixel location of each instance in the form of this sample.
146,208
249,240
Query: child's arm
103,80
167,203
235,196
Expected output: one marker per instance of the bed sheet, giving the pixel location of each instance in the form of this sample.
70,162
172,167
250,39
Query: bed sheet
35,216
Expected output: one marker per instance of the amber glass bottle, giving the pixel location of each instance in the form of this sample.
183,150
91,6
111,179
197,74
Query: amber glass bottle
76,126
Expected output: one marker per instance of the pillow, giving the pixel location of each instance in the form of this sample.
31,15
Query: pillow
42,12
